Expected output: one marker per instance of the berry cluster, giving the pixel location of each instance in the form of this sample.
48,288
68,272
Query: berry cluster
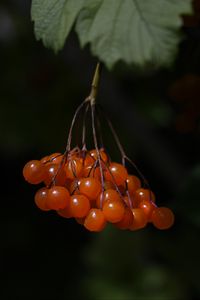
88,186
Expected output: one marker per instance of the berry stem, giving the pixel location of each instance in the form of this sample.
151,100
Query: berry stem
95,83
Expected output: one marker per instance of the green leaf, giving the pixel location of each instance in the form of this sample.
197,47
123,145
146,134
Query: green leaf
137,32
54,20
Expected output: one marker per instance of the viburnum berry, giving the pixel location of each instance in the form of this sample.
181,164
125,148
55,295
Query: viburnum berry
79,206
147,207
53,171
126,221
74,168
85,184
139,219
34,172
133,183
143,194
41,198
116,173
95,220
90,187
113,210
65,212
58,198
162,218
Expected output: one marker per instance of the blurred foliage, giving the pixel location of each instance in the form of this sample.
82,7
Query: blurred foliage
46,257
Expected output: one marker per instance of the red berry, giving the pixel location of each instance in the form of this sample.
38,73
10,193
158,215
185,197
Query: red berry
147,207
119,173
40,199
139,219
54,171
108,195
113,211
133,183
34,172
162,218
95,220
143,194
90,187
94,155
126,221
74,168
65,212
79,206
58,197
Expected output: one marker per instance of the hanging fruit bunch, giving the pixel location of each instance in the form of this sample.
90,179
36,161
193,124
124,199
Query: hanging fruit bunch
88,186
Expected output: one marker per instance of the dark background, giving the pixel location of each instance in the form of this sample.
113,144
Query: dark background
46,257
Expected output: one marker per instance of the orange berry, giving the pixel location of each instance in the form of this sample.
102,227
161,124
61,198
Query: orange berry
91,171
108,195
143,194
90,187
139,219
133,183
34,172
147,207
74,168
58,197
95,220
65,212
74,187
103,155
79,206
40,198
52,170
113,211
126,221
162,218
119,173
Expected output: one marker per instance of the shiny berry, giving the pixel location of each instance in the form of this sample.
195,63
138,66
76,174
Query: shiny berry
126,221
79,206
95,220
162,218
116,173
34,172
113,211
58,198
40,199
139,219
90,187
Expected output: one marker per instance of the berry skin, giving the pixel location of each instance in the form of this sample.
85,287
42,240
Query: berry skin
162,218
34,172
113,211
147,207
133,183
56,158
90,187
126,221
65,212
139,219
119,173
40,199
143,194
58,198
74,187
79,206
103,156
95,220
52,170
74,168
108,195
91,171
